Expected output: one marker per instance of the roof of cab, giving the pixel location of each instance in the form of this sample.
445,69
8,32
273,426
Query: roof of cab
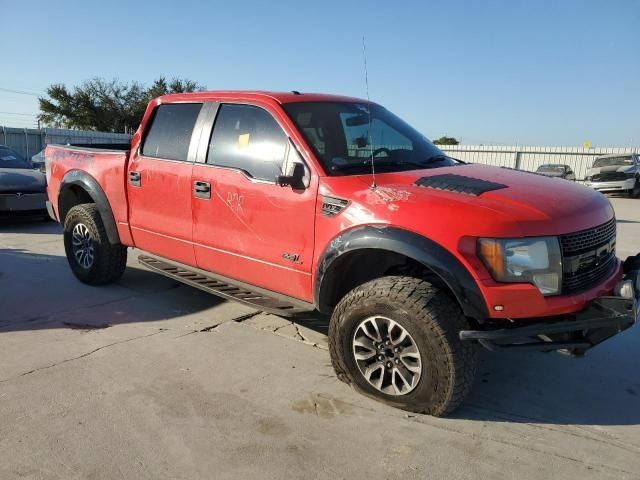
280,97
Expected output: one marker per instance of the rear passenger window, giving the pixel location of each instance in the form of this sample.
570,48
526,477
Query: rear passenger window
170,132
249,139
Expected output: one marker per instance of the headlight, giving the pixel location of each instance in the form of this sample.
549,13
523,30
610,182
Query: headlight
588,178
535,260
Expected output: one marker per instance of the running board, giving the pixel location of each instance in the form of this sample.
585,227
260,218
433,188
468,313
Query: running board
226,288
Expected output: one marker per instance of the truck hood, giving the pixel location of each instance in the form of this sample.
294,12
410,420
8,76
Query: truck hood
21,180
527,205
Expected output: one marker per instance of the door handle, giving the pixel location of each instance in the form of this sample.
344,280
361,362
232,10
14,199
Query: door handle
134,179
202,189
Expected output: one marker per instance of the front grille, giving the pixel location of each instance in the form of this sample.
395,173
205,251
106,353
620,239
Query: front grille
585,279
586,239
609,177
588,256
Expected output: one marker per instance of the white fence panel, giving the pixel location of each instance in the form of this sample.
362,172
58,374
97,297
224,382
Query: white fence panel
529,158
29,141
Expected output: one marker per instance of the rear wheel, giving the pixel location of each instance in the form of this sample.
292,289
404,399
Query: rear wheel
396,339
92,258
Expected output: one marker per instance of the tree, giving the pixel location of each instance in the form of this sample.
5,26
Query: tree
111,106
446,141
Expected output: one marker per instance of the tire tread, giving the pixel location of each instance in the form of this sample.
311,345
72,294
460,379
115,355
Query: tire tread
111,260
441,316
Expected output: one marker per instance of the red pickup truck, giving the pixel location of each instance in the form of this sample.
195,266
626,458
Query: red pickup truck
271,199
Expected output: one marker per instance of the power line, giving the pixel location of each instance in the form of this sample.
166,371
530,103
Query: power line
18,120
22,92
16,113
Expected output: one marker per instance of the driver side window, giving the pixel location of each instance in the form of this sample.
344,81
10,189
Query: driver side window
249,139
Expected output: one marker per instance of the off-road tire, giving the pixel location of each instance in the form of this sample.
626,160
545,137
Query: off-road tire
109,260
432,318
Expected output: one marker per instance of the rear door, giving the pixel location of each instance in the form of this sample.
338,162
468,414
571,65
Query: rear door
159,182
247,227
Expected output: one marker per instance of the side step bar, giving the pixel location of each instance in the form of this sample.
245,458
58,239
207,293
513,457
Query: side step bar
226,288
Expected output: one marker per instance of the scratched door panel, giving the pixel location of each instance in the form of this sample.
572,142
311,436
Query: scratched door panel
160,208
255,231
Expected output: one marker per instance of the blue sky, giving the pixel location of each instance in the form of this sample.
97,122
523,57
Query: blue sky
494,72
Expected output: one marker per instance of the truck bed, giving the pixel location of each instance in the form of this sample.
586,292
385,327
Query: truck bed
104,163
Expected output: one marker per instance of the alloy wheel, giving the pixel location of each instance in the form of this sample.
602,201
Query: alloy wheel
387,356
83,246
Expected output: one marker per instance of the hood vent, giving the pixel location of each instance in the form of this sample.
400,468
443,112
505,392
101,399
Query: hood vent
459,184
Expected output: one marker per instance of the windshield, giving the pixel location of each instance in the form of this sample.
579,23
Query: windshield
551,169
612,161
11,159
344,138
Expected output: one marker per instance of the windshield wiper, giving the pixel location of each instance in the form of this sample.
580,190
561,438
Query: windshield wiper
377,163
436,158
384,162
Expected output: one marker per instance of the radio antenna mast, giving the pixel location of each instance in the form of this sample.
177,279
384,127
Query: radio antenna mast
366,83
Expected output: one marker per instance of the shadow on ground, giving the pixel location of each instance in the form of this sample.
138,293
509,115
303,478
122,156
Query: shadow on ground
39,292
603,388
29,226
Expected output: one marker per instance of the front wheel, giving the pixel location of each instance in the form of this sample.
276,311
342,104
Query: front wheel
396,339
92,258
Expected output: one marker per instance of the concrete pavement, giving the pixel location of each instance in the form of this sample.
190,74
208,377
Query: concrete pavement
151,379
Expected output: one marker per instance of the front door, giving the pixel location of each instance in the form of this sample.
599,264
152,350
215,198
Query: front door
159,184
246,226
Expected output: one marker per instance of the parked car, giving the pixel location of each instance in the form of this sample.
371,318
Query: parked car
22,189
270,199
616,173
556,170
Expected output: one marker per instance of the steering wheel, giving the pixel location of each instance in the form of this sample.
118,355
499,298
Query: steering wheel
381,150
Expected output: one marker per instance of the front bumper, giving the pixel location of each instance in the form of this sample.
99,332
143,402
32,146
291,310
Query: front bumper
574,333
620,185
22,202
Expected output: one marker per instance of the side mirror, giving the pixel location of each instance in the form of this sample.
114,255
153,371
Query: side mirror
295,180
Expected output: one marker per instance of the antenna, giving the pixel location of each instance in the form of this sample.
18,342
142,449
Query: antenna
366,83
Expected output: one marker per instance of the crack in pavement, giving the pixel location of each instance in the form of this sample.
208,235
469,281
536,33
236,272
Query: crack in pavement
298,333
67,360
238,319
209,329
278,328
298,336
